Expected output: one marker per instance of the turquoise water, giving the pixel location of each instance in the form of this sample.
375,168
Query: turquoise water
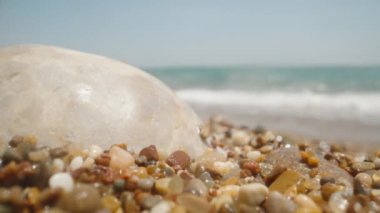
344,100
314,79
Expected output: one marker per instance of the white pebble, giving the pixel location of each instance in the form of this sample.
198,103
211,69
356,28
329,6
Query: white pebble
240,138
95,151
253,194
62,180
76,163
253,155
161,207
58,165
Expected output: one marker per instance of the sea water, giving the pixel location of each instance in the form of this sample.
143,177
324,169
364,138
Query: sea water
336,102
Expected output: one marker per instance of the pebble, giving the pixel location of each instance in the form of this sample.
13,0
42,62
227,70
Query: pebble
94,151
277,203
120,159
179,160
206,178
88,162
58,152
39,155
218,201
285,181
253,194
196,187
145,184
328,189
364,179
306,205
223,168
58,165
232,190
62,180
194,204
240,138
208,158
150,153
377,163
337,203
161,207
266,148
162,185
175,185
150,201
362,166
76,163
118,185
110,202
254,155
83,198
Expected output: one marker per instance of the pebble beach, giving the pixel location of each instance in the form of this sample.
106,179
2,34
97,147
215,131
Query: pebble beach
243,170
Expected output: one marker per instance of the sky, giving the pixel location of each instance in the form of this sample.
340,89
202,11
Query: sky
202,32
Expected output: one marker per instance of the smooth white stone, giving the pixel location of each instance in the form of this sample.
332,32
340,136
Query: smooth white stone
253,155
161,207
62,180
62,96
95,151
76,163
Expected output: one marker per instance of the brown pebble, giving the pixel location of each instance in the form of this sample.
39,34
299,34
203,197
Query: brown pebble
150,153
83,198
313,161
252,166
179,160
103,159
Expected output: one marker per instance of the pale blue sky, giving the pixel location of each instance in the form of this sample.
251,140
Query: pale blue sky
201,32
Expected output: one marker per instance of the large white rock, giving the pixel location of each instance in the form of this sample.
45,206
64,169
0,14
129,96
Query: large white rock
61,96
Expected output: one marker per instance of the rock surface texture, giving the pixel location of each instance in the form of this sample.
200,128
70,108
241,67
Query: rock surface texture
61,96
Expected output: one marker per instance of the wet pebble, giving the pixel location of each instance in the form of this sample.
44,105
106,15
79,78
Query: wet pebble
150,153
94,151
306,205
76,163
277,203
162,207
337,203
254,155
63,181
150,201
377,163
194,204
83,198
145,184
39,155
179,160
362,166
240,138
110,202
196,187
120,159
253,194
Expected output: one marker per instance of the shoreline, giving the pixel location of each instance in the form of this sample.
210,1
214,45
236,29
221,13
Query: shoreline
348,133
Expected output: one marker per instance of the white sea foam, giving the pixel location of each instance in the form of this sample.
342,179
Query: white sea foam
346,106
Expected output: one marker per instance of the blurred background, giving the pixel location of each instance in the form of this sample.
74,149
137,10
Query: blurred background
308,68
